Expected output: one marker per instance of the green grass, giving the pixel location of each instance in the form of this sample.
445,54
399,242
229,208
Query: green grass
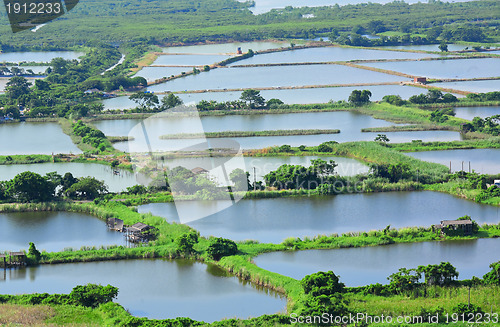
409,128
410,305
288,132
451,145
25,159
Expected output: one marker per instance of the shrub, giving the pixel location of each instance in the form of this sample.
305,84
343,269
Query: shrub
221,247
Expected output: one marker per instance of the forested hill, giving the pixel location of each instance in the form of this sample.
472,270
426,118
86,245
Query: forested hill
166,21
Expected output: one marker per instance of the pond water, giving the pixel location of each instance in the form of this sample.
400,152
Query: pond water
42,56
457,68
349,123
329,54
227,47
276,76
262,6
154,73
273,220
189,60
343,120
362,266
483,161
116,183
472,86
54,231
263,165
427,47
24,138
301,96
157,289
470,112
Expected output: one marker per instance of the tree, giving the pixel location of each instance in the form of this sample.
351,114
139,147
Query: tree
87,188
28,186
285,148
274,103
92,295
325,147
442,274
443,47
382,138
34,252
185,242
146,100
394,99
137,189
493,276
323,295
220,247
240,180
394,172
253,98
16,87
322,283
170,101
404,280
67,181
359,98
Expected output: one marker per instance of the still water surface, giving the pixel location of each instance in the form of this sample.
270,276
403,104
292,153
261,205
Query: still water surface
54,231
273,220
362,266
483,161
470,112
157,289
329,54
459,68
349,123
35,138
228,78
472,86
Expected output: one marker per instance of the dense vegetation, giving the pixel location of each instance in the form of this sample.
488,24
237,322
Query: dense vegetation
160,22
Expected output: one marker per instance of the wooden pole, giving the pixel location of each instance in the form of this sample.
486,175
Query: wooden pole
450,166
469,167
254,180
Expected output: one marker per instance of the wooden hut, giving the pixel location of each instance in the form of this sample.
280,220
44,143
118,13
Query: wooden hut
140,232
465,225
17,259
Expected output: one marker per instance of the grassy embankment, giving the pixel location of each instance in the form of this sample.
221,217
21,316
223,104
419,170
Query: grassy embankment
289,132
242,264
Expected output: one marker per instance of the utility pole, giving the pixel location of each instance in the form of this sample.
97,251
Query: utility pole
462,166
254,180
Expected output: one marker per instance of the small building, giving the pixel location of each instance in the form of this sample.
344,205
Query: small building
3,260
422,80
115,224
199,170
140,232
496,182
17,259
456,225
